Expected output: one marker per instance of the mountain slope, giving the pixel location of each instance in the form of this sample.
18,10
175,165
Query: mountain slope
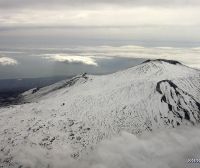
83,111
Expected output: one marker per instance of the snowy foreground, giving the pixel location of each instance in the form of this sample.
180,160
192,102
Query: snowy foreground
121,120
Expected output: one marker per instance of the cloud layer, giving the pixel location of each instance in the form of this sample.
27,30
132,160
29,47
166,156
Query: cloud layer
92,55
89,55
7,61
71,59
187,56
165,148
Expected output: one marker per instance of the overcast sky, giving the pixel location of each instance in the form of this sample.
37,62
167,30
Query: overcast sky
86,22
121,29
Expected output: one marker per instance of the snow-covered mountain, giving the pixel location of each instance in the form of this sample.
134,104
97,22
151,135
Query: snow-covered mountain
83,111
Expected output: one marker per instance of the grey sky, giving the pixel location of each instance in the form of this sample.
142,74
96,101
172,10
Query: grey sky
86,22
87,3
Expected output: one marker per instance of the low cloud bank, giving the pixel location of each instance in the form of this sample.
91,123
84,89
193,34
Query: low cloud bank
7,61
71,59
166,148
90,55
187,56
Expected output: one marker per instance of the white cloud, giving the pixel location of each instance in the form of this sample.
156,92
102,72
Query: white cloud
164,148
90,55
7,61
187,56
72,59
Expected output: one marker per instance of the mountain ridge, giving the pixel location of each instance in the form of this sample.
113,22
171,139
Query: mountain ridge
163,60
145,66
87,109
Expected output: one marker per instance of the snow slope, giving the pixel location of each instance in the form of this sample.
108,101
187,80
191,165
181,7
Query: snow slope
79,113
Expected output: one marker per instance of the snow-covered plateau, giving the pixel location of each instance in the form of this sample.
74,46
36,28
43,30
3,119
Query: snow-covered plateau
145,116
